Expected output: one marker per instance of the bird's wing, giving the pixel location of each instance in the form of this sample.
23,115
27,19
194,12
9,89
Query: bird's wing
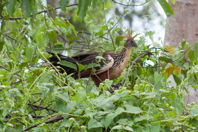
106,64
82,56
93,58
89,60
55,60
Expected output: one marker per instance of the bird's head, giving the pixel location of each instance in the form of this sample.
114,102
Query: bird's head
130,42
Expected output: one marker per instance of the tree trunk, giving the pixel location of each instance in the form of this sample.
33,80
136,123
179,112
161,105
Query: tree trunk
183,25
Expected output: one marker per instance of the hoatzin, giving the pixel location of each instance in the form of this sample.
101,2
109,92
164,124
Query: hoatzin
109,67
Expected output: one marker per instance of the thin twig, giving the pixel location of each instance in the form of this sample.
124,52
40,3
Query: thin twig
4,68
43,11
139,57
37,116
38,107
52,119
114,1
33,126
6,35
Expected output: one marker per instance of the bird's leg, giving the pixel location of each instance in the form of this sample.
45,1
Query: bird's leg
107,74
97,79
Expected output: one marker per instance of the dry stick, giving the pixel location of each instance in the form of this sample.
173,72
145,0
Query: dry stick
52,119
38,107
43,11
37,116
6,35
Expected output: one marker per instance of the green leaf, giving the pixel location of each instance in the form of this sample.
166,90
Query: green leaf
157,80
121,127
64,96
27,7
68,64
155,128
191,55
142,118
58,48
173,1
83,7
61,105
1,45
109,118
29,52
132,109
94,124
177,79
11,7
194,110
118,39
166,7
63,3
102,30
196,50
52,35
166,59
91,65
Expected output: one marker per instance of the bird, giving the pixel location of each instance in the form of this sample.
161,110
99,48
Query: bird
98,66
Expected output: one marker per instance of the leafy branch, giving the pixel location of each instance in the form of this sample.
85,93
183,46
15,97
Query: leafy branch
40,12
114,1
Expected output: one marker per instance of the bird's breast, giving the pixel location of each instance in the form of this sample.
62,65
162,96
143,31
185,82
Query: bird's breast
122,62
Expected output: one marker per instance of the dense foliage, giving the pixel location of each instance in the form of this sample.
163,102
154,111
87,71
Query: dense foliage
33,94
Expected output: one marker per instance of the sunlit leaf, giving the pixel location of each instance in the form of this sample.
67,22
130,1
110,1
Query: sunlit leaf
63,96
133,109
119,39
27,7
173,1
109,118
166,7
170,49
83,7
94,124
1,45
11,6
166,59
63,3
155,127
177,79
68,64
196,50
52,36
121,127
172,69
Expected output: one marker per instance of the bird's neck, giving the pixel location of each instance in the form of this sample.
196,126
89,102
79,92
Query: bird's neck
126,51
122,58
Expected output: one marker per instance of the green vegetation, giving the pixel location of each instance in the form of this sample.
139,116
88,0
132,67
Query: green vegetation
32,93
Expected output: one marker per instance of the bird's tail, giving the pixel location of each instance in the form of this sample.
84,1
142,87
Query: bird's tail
63,63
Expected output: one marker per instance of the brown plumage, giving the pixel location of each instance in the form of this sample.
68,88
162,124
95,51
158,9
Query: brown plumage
109,67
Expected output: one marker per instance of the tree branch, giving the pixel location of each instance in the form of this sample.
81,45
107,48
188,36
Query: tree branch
52,119
38,107
139,57
116,2
43,11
